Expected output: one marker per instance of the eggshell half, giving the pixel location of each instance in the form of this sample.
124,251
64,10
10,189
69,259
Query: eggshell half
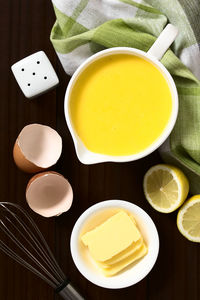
37,148
49,194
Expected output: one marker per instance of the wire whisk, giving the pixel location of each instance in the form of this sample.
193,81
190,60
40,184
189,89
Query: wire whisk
25,244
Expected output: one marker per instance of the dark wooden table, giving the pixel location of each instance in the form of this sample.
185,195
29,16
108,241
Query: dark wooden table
24,29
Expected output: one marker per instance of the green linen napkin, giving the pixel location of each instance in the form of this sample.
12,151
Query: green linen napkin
84,27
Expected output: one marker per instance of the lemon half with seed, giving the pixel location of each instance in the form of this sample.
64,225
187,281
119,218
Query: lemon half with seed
188,219
165,187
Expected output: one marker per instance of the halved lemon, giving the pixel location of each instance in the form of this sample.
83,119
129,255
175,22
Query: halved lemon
165,187
188,219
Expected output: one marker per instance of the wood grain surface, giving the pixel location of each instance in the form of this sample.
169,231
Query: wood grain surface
24,29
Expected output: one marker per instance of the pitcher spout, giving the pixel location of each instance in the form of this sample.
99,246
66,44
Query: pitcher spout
86,156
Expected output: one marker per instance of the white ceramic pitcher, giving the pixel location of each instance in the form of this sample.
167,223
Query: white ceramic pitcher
154,54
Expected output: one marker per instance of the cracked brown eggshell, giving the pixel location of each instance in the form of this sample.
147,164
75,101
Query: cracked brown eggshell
49,194
37,148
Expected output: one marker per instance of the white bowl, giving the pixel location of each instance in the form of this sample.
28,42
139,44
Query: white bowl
135,272
88,157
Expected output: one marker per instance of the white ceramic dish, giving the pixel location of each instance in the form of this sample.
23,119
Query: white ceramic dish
135,272
154,54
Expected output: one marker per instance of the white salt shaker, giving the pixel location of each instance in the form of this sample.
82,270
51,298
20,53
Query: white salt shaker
35,74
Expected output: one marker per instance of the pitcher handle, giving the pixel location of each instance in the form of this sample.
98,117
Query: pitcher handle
164,41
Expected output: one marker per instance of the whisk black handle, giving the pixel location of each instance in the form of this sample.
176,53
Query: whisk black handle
70,293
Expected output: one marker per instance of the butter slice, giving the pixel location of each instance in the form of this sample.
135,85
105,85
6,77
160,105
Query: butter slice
122,255
125,262
112,237
132,219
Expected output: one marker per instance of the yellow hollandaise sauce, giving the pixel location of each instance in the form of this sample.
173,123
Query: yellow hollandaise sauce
120,105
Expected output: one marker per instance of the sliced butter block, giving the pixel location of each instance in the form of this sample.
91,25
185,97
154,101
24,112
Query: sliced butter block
111,237
125,262
122,255
128,251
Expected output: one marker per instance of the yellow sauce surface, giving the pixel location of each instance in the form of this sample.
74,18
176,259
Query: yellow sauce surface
120,105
